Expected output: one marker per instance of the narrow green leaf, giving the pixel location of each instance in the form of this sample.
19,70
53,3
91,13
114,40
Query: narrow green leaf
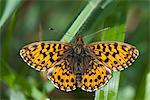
6,73
10,7
147,87
37,94
114,34
81,19
16,95
48,87
110,91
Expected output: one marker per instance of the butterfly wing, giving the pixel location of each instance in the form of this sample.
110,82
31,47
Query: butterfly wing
42,55
95,77
62,76
115,55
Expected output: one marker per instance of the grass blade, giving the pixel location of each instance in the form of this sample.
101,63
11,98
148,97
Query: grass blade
147,88
109,92
10,7
81,19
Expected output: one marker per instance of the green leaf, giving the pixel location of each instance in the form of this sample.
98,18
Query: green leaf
81,19
11,5
48,87
147,87
110,91
6,73
37,94
16,95
114,34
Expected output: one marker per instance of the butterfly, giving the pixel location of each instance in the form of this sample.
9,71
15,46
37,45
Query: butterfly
77,65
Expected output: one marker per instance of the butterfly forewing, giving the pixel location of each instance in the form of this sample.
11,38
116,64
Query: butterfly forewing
62,76
42,55
115,55
94,63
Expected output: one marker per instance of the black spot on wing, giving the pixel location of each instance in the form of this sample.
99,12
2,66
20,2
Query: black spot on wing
59,46
104,47
98,46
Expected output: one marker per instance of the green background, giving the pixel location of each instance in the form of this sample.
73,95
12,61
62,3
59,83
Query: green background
22,21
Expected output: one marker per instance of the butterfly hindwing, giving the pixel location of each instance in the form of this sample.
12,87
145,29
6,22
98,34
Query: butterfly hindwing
69,66
62,76
117,56
42,55
95,77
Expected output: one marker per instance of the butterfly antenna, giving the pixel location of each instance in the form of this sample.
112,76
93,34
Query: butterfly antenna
97,32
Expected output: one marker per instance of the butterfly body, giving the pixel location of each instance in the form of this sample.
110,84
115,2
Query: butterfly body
88,67
78,57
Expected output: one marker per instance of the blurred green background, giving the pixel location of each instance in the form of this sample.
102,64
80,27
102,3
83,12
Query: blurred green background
21,21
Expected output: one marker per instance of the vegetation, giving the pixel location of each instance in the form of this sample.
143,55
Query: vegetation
23,22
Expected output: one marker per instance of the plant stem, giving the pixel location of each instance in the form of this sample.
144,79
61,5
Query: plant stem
81,19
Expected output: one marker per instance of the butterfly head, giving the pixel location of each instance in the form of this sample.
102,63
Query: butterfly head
78,47
79,40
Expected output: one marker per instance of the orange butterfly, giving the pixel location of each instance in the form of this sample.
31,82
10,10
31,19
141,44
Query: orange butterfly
69,66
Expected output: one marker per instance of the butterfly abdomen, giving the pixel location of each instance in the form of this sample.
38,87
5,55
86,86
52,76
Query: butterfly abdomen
88,67
78,78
